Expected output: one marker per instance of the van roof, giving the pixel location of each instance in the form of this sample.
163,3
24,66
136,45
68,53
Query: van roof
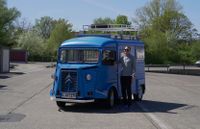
93,41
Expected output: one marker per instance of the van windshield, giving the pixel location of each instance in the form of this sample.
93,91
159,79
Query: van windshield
79,56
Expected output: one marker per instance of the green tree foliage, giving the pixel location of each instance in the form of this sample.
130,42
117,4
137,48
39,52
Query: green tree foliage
61,32
105,20
22,25
7,30
175,23
195,50
33,43
163,28
155,9
184,54
44,26
122,19
156,45
41,42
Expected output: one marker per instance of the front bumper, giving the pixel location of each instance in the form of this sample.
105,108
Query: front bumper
72,100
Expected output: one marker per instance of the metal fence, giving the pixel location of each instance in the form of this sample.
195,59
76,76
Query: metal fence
176,69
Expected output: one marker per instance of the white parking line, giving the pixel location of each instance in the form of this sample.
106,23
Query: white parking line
153,118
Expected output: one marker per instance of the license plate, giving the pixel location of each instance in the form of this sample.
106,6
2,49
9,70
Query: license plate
69,95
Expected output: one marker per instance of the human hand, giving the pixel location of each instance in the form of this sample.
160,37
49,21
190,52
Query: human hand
133,75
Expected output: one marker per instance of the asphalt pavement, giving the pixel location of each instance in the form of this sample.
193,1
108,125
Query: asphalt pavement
171,102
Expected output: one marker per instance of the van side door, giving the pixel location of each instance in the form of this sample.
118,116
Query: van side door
109,66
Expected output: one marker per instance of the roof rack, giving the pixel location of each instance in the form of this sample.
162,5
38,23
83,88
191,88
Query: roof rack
116,31
109,28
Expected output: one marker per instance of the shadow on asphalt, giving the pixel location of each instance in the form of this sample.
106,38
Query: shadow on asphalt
4,77
2,86
10,74
156,106
17,73
12,117
151,106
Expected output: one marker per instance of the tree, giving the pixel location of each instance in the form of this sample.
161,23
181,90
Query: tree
61,32
176,23
44,26
122,19
195,50
40,48
7,16
165,16
155,48
22,25
165,19
33,43
155,9
105,20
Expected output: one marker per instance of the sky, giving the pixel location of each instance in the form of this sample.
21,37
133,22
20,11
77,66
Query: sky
83,12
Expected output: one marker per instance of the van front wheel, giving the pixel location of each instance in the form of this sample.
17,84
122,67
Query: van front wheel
111,99
60,104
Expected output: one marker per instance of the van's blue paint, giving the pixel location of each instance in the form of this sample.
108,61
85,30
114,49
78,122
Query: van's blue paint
87,42
103,77
93,41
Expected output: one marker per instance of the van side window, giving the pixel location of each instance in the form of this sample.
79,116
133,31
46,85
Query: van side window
109,57
140,53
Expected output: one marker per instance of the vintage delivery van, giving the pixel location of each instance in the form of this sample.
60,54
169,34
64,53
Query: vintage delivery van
88,70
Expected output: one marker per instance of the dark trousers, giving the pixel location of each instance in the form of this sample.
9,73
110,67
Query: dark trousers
126,88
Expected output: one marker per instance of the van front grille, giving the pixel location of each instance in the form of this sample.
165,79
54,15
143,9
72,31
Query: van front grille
69,81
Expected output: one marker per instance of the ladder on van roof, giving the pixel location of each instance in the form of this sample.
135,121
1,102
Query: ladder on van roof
117,31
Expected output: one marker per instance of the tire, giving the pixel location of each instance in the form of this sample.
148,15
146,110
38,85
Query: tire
139,95
110,102
60,104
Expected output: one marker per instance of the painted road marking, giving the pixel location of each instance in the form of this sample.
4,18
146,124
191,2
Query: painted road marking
153,118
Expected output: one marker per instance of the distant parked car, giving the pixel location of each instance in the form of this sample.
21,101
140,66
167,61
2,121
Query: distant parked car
198,63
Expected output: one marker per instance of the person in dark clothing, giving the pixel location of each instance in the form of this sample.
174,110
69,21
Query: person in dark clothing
127,74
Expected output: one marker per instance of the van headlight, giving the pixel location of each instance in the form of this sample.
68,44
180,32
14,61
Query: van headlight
88,77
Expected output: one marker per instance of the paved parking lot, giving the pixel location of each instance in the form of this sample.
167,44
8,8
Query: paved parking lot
170,102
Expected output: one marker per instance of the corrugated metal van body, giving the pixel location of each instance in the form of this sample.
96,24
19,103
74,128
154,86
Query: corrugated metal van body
79,81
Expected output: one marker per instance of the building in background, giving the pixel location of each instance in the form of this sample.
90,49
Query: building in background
18,55
4,59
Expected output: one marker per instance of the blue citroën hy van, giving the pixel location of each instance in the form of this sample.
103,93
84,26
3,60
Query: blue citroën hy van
87,68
